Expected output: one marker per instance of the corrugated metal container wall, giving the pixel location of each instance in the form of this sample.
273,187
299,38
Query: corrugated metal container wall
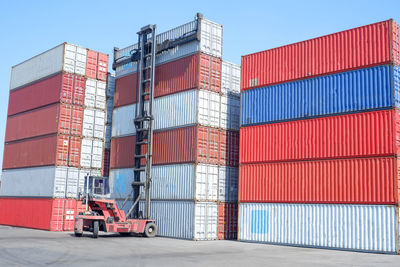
351,49
96,65
364,89
353,135
182,145
41,151
57,118
65,57
106,162
48,181
93,123
91,153
37,213
173,182
230,78
63,87
228,178
198,71
227,221
355,227
182,109
350,181
210,43
185,219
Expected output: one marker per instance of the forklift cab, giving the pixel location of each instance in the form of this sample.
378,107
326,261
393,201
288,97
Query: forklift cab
96,187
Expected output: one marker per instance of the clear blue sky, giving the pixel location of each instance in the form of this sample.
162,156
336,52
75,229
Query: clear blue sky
30,27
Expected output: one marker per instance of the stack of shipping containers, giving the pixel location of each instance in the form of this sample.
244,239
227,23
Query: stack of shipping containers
196,122
318,142
50,130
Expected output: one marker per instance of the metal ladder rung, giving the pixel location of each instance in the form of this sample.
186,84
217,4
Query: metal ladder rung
139,169
140,156
141,129
142,143
138,183
147,80
146,93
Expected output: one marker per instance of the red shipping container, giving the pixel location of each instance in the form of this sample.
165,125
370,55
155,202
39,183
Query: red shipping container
106,162
227,221
39,213
195,144
360,47
96,65
59,150
199,71
63,87
57,118
353,135
345,181
229,148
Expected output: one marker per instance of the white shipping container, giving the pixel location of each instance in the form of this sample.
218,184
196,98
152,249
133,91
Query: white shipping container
228,179
93,123
210,43
91,153
182,109
183,219
230,78
48,181
230,112
110,85
354,227
95,94
65,57
178,181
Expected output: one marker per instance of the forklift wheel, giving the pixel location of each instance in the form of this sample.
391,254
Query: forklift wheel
95,229
150,230
78,234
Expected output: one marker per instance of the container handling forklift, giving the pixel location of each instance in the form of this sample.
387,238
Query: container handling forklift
101,213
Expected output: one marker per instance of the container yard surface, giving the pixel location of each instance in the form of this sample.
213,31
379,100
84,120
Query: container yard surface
25,247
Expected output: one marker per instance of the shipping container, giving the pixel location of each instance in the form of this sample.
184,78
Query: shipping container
345,181
359,90
171,182
93,123
96,65
360,47
183,219
110,85
182,109
210,43
228,179
62,87
47,182
230,78
58,150
57,118
353,135
349,227
91,153
196,144
199,71
62,58
227,221
95,94
38,213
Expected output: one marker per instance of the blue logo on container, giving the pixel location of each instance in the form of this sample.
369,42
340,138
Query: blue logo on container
120,183
259,222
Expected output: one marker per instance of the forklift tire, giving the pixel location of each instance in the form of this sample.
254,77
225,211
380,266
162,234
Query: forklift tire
78,234
150,230
95,229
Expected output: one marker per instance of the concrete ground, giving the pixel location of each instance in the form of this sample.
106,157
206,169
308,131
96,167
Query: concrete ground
26,247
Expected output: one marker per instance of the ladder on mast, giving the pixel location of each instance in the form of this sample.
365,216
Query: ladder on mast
144,120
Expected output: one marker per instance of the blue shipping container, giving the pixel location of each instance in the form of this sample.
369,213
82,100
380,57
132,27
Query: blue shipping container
353,91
